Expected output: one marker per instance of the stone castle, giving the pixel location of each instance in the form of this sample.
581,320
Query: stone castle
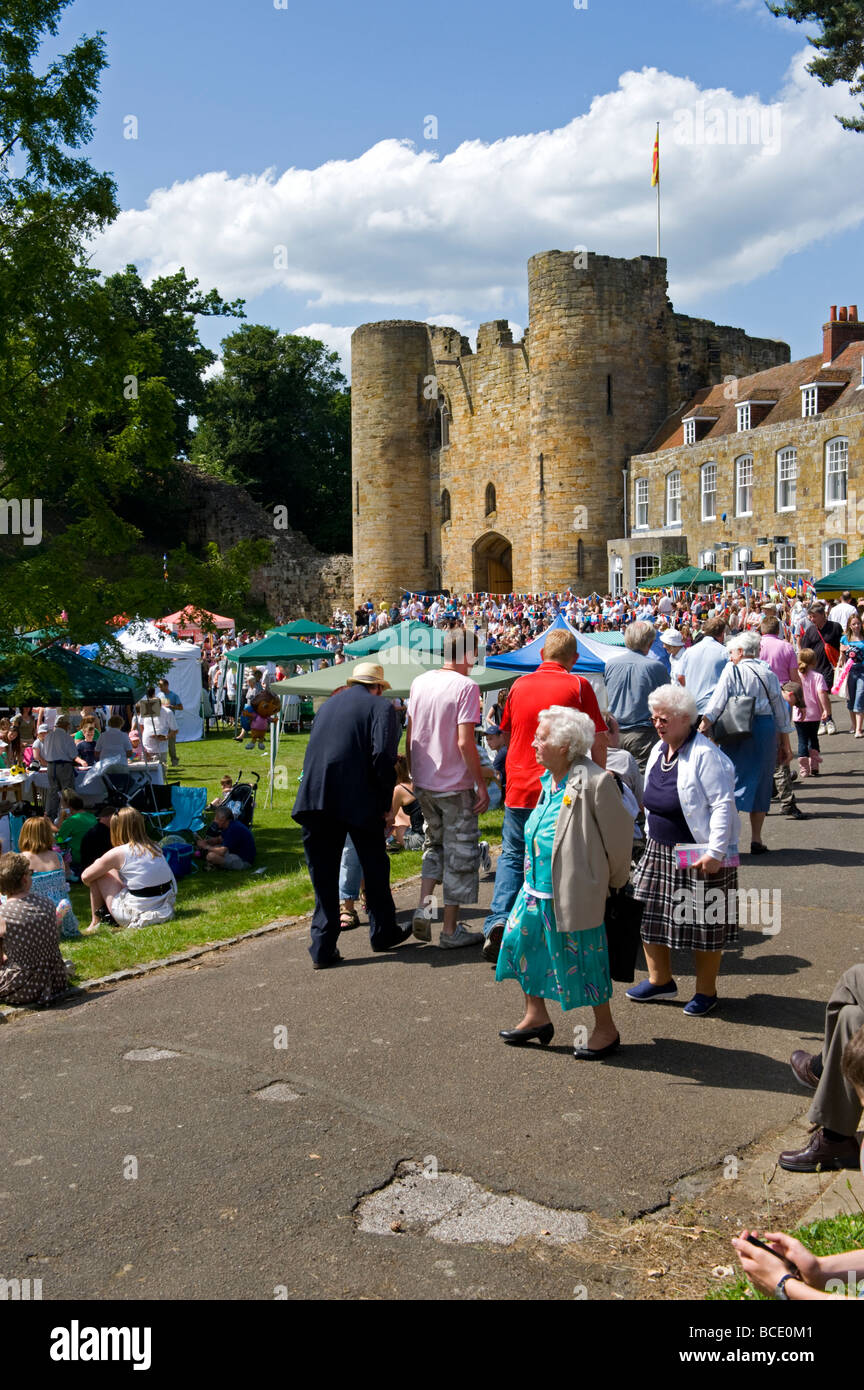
504,469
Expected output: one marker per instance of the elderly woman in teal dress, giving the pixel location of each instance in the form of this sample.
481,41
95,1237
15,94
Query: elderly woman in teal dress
578,842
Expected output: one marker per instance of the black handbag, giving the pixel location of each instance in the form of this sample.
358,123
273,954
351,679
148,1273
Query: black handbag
623,920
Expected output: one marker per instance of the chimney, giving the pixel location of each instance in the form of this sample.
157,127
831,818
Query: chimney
842,329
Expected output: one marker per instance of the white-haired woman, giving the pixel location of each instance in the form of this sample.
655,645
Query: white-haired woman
578,840
690,800
756,756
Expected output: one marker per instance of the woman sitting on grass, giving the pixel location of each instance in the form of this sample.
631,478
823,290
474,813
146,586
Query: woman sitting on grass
133,881
36,843
31,967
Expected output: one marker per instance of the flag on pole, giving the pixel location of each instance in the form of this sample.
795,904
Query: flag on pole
655,163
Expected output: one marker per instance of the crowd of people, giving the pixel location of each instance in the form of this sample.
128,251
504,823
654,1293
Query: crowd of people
639,803
635,806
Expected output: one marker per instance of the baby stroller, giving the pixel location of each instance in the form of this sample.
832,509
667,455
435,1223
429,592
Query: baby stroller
241,799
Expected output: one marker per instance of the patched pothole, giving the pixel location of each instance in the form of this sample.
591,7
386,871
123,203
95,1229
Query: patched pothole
277,1090
149,1054
455,1210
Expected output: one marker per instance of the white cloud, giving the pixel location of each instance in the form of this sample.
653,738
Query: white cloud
335,336
215,369
399,227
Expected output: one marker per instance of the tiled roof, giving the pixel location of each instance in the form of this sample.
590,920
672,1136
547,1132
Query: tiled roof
782,383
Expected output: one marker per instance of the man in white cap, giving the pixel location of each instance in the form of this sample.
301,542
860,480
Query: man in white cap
674,644
346,788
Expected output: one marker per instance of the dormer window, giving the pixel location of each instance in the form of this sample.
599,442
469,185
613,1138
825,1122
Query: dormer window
809,401
689,431
744,416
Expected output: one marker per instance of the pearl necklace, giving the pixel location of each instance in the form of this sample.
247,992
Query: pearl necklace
668,763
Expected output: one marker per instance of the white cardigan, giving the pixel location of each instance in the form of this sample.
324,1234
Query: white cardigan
706,790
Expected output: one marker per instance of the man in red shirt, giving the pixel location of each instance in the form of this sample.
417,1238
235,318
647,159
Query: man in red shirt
553,683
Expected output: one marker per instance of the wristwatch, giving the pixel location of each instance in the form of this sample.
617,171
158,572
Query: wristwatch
780,1290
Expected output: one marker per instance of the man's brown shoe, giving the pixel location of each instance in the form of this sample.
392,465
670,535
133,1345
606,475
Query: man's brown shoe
827,1154
802,1066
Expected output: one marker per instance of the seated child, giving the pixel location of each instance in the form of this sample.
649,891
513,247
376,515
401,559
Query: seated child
72,825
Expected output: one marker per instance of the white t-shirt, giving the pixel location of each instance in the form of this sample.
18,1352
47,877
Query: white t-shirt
841,613
151,726
113,746
439,702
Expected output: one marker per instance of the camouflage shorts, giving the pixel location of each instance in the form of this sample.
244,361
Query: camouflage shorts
451,850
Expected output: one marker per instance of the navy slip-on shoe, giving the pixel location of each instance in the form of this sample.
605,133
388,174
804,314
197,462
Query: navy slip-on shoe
646,993
700,1005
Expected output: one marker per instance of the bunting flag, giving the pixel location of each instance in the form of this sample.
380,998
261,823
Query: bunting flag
655,162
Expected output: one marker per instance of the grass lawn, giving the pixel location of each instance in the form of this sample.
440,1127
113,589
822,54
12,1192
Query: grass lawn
212,905
832,1236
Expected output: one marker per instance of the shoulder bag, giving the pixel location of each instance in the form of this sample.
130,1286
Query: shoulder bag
736,721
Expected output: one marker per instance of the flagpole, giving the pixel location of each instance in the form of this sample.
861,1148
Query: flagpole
658,190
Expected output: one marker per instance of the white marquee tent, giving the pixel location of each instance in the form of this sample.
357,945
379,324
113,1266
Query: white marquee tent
184,676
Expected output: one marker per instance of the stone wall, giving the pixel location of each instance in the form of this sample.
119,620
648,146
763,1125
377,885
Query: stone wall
298,581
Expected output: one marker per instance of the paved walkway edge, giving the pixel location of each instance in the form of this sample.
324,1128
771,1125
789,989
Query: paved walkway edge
135,971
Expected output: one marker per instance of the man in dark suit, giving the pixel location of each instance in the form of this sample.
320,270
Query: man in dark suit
347,788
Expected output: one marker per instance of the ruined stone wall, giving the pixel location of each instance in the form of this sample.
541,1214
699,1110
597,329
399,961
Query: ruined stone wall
702,353
298,581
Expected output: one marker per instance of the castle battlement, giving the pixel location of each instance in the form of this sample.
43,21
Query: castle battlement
502,468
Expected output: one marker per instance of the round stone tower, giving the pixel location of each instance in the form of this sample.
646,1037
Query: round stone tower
597,360
393,401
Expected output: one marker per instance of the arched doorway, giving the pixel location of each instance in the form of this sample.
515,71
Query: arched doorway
493,564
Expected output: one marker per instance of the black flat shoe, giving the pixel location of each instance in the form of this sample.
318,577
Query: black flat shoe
585,1054
757,848
325,964
518,1036
404,934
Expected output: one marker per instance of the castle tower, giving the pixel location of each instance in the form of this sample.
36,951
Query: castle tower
598,381
393,407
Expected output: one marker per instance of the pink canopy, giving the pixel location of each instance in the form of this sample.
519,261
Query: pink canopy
187,622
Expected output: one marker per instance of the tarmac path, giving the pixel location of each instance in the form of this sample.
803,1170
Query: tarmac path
174,1178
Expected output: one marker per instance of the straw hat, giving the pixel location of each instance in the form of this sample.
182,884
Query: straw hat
671,638
368,673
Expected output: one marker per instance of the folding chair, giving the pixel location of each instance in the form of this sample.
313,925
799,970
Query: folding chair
189,804
154,801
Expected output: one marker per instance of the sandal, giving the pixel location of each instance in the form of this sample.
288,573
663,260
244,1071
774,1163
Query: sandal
348,919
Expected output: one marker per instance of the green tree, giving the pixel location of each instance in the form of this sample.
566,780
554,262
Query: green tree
278,421
94,385
840,43
166,310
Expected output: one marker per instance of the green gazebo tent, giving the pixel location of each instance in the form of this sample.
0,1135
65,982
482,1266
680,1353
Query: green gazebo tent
40,677
303,627
400,667
849,577
410,636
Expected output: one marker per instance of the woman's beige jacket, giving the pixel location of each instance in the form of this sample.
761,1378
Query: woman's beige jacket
592,848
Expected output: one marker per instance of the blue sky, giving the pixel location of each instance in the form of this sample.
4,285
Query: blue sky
442,231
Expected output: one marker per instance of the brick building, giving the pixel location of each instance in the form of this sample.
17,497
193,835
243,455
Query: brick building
763,472
504,468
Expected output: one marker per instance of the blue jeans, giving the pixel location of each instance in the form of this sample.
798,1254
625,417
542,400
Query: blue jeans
510,873
350,872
